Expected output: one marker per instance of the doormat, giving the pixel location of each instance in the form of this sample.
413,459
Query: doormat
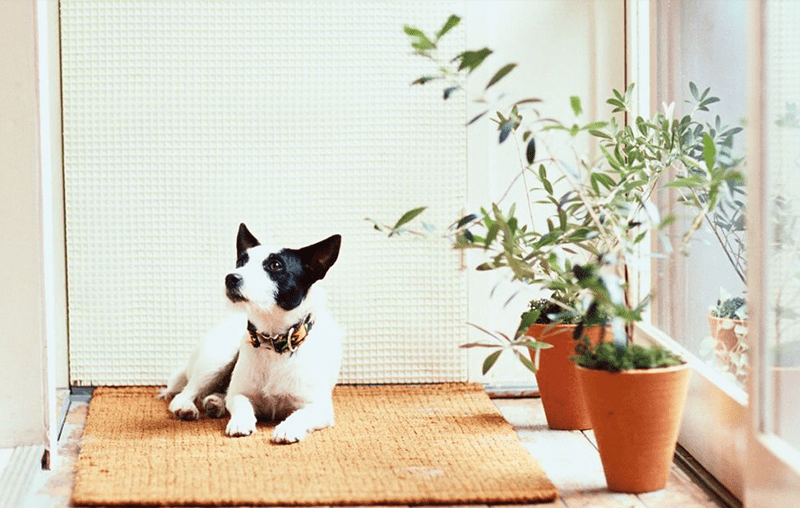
407,445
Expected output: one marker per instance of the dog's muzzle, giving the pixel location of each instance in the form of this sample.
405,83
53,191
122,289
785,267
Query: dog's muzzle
233,283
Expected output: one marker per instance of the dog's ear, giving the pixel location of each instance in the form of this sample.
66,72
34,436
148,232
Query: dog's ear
244,240
318,258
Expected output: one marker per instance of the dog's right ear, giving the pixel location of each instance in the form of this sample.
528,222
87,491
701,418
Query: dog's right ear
244,240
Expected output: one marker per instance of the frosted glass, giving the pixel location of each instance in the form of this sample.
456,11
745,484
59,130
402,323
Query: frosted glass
184,118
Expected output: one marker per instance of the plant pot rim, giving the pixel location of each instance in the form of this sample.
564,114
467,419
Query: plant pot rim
711,316
565,325
639,372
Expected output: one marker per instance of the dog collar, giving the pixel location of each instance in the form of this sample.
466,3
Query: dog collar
283,342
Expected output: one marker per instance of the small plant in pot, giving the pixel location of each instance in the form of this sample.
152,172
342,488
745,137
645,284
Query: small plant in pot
723,214
727,321
556,377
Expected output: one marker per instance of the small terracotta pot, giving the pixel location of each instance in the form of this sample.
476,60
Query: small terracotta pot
726,342
557,378
726,336
636,415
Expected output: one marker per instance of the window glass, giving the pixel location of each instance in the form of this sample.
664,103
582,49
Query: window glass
703,42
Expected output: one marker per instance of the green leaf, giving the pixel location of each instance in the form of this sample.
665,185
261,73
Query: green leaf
413,32
491,234
506,129
530,151
477,117
472,59
463,221
669,219
451,23
501,74
450,91
471,345
547,186
422,42
689,182
525,361
491,360
575,103
616,102
423,80
527,101
409,216
709,151
594,126
600,134
693,89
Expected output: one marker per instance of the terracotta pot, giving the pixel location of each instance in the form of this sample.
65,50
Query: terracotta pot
557,378
726,336
726,342
636,416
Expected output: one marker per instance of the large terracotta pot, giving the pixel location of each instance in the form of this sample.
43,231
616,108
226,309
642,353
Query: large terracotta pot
636,416
557,378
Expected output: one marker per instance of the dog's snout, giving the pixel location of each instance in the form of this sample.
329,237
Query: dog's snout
233,281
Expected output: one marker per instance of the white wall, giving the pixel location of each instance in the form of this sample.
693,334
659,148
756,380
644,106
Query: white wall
22,332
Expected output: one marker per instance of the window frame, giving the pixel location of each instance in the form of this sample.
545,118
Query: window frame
773,468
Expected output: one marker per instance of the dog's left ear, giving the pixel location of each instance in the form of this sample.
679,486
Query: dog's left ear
318,258
244,240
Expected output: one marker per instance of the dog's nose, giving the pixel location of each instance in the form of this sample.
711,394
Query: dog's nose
233,281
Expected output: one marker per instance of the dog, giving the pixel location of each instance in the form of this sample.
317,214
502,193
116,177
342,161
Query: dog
279,357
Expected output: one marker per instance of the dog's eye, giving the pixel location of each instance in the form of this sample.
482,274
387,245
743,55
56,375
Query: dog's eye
273,265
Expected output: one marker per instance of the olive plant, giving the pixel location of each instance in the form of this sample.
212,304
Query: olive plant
599,208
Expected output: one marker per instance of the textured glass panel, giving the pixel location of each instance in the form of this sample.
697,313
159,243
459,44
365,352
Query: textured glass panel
782,93
183,118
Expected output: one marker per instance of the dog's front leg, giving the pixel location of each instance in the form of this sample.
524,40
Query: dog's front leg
183,404
243,417
303,421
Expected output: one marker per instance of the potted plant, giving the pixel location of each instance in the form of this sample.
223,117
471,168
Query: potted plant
601,212
727,321
506,241
725,219
556,376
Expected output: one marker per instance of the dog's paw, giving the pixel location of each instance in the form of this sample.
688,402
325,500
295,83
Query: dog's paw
289,432
183,408
214,405
240,427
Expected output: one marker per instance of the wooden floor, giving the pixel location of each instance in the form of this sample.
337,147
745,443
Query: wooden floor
570,459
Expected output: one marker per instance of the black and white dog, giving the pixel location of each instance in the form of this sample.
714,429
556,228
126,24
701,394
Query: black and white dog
279,359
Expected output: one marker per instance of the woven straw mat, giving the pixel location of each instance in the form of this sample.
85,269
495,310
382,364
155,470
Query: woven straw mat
428,444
